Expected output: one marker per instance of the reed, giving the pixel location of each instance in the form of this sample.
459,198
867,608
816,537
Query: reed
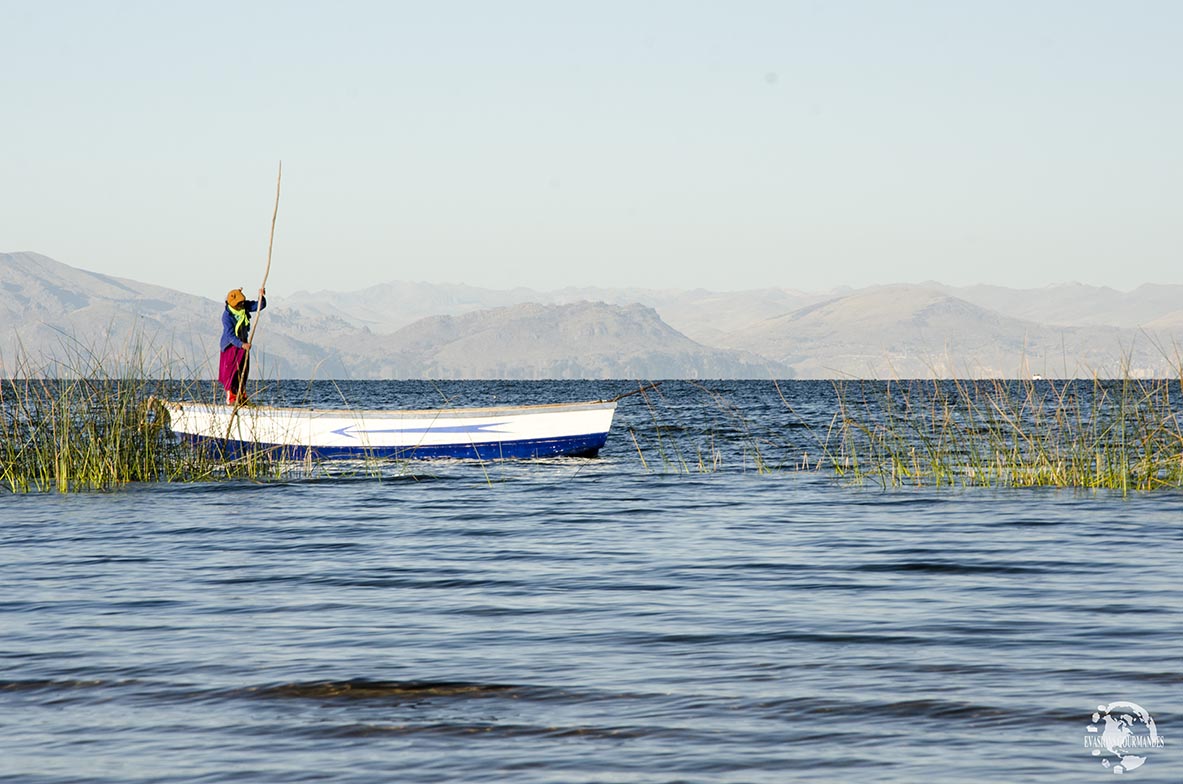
92,423
705,433
667,445
1123,434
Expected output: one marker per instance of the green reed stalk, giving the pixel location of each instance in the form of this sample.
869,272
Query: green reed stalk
752,447
90,423
667,447
1126,437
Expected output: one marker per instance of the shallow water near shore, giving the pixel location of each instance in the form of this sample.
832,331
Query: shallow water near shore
665,612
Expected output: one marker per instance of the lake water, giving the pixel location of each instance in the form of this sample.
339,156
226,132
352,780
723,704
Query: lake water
665,612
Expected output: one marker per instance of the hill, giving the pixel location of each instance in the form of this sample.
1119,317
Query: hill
1075,304
534,341
699,314
920,332
59,318
53,315
55,318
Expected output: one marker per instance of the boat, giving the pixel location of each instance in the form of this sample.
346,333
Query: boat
493,433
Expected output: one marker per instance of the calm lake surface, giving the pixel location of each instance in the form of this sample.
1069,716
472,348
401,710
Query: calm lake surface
663,613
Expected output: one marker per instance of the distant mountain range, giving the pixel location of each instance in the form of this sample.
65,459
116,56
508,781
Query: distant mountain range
53,316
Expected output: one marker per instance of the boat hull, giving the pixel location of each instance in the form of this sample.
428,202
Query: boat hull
496,433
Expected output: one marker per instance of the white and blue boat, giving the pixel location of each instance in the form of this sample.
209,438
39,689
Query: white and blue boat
495,433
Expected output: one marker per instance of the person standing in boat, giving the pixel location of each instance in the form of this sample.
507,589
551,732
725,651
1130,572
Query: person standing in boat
234,364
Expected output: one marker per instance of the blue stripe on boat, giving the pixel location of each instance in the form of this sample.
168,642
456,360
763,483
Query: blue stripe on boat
567,446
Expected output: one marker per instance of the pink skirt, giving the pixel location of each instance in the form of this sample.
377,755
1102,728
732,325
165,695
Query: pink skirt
233,364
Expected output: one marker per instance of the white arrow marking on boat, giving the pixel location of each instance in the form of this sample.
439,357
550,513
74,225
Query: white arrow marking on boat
352,431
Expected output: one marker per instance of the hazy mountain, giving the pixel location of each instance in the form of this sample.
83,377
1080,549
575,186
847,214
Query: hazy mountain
51,313
387,307
56,318
57,312
1075,304
707,316
580,340
919,331
700,315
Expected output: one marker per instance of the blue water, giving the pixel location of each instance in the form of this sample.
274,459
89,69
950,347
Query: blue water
664,613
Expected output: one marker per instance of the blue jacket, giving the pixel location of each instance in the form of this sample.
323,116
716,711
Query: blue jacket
228,336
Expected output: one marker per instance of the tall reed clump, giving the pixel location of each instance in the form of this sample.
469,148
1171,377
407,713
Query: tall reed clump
1123,434
93,424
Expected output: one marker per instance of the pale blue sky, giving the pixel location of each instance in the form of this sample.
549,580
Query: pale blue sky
723,145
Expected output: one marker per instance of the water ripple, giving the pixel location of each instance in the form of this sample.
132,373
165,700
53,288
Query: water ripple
595,620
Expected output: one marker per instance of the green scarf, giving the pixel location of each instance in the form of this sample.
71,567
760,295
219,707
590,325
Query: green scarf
240,318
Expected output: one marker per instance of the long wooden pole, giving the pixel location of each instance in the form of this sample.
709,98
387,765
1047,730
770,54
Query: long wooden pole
262,286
